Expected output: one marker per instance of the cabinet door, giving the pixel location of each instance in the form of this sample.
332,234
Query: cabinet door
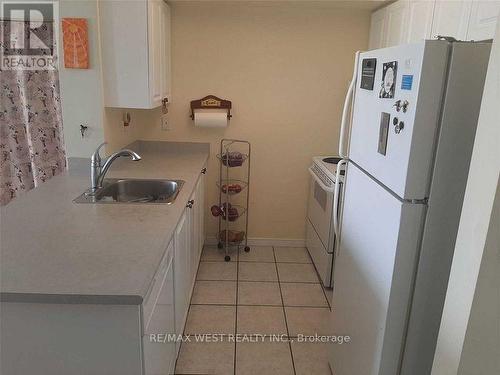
193,236
124,46
198,235
420,14
201,213
165,54
483,20
451,18
181,273
159,351
155,39
397,15
378,29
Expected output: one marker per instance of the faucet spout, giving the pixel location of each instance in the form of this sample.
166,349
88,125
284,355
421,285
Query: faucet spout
98,172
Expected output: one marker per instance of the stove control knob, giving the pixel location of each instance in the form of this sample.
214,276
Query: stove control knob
397,105
395,121
399,127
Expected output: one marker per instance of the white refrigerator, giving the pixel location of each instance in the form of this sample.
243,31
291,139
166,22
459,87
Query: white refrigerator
407,135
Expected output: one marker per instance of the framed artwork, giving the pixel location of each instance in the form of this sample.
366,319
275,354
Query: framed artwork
389,74
75,43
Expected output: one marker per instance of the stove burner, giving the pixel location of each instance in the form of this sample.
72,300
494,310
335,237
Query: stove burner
332,160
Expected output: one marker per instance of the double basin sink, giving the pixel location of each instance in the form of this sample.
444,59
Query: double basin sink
133,191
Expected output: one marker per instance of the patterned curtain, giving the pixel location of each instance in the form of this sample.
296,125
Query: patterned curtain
31,136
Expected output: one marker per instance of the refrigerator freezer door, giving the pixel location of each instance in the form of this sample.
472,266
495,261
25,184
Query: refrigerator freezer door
467,74
373,276
408,88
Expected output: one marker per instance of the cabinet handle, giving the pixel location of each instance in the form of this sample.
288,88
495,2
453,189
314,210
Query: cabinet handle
190,203
204,170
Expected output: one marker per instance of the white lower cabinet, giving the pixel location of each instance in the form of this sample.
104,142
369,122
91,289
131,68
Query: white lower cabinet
159,348
187,251
196,222
201,212
110,339
181,274
193,231
176,277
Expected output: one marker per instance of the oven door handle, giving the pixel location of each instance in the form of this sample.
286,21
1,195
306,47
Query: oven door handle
320,183
336,207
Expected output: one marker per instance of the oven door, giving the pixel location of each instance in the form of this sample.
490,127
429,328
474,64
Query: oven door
319,211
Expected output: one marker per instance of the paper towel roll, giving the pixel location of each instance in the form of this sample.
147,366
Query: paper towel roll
210,119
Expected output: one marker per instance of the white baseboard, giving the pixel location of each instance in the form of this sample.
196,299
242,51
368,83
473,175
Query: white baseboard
278,242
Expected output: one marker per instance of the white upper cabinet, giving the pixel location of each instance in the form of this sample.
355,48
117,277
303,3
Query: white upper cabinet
451,19
378,28
166,65
135,48
408,21
420,14
483,20
397,21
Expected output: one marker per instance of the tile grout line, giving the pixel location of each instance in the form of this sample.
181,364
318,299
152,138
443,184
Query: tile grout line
236,307
327,301
246,304
252,261
319,280
263,281
284,312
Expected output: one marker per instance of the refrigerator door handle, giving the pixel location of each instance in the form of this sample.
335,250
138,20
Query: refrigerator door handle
337,221
345,123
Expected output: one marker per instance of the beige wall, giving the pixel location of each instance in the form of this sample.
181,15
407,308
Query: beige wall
118,135
81,89
286,69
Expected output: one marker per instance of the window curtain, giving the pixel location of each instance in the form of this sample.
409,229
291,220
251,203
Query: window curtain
31,134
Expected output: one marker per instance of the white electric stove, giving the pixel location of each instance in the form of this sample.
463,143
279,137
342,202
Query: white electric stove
320,237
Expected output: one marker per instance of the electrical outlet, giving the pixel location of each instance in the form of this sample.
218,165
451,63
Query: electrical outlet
165,124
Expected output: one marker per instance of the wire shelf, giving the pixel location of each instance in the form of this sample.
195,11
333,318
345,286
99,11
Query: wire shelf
235,186
234,160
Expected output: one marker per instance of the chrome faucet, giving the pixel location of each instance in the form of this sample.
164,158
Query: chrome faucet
97,172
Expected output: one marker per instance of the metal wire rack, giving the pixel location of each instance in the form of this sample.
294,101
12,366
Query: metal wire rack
233,154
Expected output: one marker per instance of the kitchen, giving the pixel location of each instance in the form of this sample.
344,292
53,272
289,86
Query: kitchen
254,54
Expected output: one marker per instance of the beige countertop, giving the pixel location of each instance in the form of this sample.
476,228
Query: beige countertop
54,250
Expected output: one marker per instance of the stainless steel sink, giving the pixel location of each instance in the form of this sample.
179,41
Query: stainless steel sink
134,191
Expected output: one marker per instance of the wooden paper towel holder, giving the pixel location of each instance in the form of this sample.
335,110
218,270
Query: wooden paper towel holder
211,102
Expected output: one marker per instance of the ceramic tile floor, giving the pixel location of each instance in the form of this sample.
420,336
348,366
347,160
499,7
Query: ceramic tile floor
268,291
